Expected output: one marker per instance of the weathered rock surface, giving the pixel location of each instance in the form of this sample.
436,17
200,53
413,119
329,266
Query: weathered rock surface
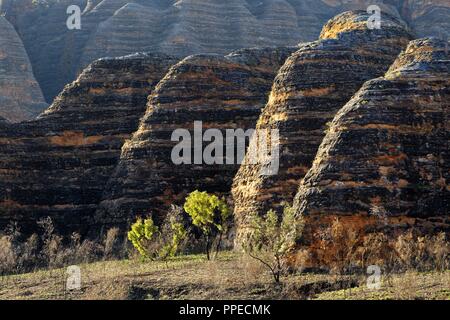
20,95
59,164
385,159
310,88
222,92
120,27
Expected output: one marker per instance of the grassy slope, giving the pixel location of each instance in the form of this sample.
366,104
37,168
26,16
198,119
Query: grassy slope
192,277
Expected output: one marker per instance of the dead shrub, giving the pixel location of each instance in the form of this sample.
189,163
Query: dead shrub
8,256
440,248
88,251
29,256
337,247
50,250
377,250
341,250
111,243
423,253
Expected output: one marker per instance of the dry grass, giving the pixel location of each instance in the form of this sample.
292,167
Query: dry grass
192,277
414,267
405,286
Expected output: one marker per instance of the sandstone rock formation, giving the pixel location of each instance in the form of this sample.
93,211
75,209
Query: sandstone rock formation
20,95
58,165
225,93
89,161
310,88
385,159
119,27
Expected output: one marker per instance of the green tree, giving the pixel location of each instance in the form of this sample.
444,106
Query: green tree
270,241
210,214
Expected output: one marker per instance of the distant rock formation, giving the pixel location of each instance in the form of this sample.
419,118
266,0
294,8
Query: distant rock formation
310,88
20,95
428,18
54,51
225,93
385,159
59,164
120,27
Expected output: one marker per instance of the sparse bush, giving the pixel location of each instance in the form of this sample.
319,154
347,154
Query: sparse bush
173,244
210,214
270,240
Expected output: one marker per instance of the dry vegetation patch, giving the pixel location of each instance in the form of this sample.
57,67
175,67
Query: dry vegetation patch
229,277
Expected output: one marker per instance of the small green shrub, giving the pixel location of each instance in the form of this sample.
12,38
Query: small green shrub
270,240
143,233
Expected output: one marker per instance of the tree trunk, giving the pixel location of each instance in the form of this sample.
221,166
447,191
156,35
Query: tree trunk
219,243
276,276
208,248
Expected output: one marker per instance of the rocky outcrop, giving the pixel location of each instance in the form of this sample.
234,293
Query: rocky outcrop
20,95
385,159
120,27
310,88
59,164
224,93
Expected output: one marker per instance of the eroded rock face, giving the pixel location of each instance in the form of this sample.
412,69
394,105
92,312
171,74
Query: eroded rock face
225,93
385,159
58,165
310,88
20,95
120,27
